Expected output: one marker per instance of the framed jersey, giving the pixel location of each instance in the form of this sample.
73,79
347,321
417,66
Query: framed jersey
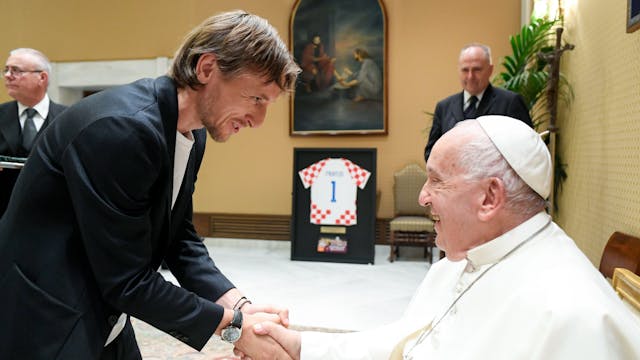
334,202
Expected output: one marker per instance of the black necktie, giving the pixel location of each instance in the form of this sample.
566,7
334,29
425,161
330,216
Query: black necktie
29,131
470,111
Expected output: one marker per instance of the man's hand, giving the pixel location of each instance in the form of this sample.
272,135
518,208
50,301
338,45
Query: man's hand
250,345
289,340
283,314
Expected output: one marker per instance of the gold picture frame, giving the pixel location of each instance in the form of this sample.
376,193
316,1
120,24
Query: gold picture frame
341,48
633,15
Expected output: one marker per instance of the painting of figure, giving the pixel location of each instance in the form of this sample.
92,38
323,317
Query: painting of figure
340,47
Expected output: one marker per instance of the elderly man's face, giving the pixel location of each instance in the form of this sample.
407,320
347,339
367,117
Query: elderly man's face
454,200
475,70
25,82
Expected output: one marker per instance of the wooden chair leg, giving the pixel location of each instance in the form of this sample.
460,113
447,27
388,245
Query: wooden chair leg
392,248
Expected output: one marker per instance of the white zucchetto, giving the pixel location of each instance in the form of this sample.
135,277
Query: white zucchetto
523,149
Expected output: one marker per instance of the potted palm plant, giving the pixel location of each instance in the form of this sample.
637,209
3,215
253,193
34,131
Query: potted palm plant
526,72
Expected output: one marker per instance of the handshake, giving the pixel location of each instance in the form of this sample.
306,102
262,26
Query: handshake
259,332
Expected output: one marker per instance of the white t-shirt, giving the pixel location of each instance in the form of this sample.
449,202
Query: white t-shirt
181,159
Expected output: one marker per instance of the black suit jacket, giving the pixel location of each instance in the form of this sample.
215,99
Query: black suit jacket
495,101
89,224
10,143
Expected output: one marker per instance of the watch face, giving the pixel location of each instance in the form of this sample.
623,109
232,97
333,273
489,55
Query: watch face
231,334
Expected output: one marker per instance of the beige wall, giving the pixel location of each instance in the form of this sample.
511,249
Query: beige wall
600,132
252,173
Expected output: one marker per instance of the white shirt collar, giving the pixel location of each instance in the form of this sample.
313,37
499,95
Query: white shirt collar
467,96
42,107
495,249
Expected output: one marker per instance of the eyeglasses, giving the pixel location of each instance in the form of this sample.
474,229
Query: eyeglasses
17,72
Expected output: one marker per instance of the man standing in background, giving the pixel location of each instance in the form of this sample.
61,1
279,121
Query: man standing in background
26,76
477,98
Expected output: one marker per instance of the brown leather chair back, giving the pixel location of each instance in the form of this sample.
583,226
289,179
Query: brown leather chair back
622,251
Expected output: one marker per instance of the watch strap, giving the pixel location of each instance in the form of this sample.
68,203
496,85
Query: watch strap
237,319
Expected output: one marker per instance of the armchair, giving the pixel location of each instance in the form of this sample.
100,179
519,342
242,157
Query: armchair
411,225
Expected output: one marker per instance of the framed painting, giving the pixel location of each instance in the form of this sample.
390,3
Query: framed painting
633,15
341,48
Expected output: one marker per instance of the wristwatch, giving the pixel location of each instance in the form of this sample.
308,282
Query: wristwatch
232,333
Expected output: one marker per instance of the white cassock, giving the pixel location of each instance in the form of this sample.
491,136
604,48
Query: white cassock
543,300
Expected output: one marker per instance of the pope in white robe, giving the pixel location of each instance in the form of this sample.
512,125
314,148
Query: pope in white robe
543,301
513,284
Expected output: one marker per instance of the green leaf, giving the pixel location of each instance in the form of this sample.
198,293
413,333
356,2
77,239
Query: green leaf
528,74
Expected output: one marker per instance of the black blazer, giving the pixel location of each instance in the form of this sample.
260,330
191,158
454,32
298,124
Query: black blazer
495,101
89,224
10,143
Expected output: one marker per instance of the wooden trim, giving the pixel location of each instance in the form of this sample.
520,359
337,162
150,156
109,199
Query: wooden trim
382,232
260,226
266,227
201,223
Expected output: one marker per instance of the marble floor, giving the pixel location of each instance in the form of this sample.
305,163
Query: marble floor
320,296
328,295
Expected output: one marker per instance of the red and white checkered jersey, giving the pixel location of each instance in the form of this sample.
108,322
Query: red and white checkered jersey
334,185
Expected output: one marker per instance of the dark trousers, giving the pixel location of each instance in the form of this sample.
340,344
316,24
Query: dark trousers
124,346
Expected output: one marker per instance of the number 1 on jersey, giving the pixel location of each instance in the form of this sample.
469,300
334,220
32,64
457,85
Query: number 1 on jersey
333,191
